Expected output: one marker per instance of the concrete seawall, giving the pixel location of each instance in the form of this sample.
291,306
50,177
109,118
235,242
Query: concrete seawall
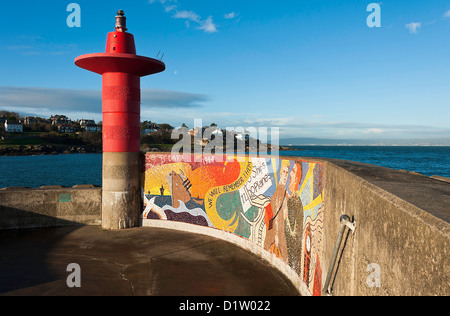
400,245
53,206
402,240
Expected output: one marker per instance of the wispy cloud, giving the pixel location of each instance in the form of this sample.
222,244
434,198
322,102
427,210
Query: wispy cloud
37,45
374,130
161,99
208,25
188,15
73,103
230,16
172,6
414,27
296,126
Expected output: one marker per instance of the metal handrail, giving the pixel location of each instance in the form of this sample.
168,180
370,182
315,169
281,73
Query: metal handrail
345,222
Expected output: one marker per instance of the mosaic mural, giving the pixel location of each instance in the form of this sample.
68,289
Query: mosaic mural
276,203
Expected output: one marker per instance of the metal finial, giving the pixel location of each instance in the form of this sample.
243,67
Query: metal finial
121,21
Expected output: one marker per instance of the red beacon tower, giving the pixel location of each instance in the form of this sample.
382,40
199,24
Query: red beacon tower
121,70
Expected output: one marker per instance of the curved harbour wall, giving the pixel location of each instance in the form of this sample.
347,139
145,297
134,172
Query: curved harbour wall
287,211
274,207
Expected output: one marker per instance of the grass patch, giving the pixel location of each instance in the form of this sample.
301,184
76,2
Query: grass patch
22,141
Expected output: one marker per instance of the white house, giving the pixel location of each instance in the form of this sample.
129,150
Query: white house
13,127
66,129
89,126
92,128
239,136
148,130
84,122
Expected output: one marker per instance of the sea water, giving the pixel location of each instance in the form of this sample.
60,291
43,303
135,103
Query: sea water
77,169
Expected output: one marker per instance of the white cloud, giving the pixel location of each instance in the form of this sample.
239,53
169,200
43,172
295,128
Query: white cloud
447,14
37,45
296,126
188,15
414,27
207,25
163,1
230,16
170,8
374,130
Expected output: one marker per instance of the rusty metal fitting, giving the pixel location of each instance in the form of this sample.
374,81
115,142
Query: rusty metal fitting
121,21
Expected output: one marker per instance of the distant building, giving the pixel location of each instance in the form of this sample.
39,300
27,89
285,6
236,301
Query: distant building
239,136
151,128
91,128
13,127
217,132
84,122
60,120
30,120
67,129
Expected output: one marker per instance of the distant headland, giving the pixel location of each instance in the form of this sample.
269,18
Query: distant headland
26,136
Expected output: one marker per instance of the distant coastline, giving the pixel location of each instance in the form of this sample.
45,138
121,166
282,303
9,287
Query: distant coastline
58,149
49,143
61,149
365,142
47,149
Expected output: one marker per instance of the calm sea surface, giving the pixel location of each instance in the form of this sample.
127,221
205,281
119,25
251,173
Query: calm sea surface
430,161
70,170
37,171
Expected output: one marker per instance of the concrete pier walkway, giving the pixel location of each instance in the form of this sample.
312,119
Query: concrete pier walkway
141,262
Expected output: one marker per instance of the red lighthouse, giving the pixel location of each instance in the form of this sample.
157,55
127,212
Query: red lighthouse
121,69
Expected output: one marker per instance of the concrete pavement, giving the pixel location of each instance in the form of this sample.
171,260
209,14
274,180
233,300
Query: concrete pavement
141,262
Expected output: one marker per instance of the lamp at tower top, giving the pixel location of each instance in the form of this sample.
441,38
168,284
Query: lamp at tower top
121,21
120,55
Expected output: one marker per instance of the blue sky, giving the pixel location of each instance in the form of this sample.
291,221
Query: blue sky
312,68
